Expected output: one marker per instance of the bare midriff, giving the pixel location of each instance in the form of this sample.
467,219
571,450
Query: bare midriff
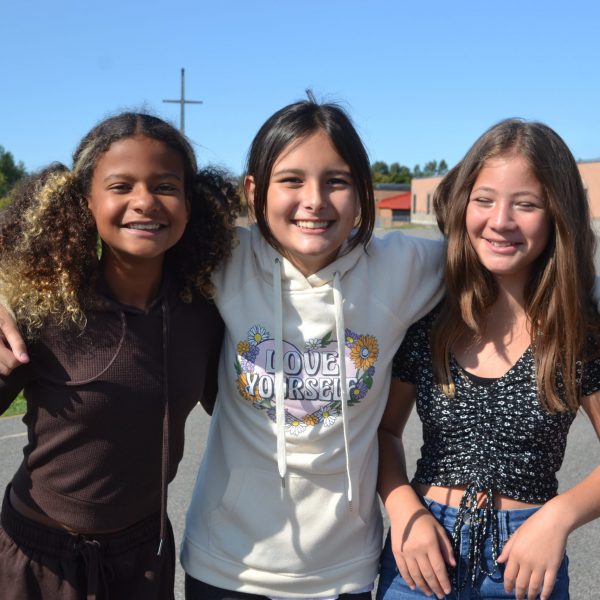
42,519
452,496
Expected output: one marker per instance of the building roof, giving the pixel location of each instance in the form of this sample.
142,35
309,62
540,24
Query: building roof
397,202
393,186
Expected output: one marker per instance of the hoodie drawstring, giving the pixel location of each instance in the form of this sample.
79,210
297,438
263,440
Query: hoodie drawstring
279,384
165,429
340,332
279,376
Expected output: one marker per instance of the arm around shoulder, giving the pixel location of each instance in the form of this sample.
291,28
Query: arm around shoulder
415,266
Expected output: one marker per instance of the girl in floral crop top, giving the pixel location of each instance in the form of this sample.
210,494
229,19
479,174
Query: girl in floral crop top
498,372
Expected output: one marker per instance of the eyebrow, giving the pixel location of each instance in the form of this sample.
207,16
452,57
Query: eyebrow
165,175
292,171
484,188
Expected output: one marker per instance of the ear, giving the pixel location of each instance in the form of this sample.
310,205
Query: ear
357,212
249,187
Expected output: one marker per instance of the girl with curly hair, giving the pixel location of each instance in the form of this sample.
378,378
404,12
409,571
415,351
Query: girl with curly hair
107,267
498,372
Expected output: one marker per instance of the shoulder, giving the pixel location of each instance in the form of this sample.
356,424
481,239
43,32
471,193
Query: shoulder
407,247
418,334
413,259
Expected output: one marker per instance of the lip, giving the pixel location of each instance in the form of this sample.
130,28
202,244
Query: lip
312,225
144,228
502,246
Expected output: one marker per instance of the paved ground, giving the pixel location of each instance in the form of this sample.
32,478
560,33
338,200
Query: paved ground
583,454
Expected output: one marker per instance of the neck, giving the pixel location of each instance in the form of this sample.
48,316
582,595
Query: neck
505,335
507,316
134,284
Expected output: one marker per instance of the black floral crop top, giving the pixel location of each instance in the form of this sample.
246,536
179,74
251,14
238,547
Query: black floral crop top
490,437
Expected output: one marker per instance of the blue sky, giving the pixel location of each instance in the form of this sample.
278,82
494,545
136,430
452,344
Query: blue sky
421,80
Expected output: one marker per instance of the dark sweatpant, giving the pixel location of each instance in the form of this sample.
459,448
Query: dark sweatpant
40,563
198,590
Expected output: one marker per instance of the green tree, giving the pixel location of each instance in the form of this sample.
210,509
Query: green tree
399,173
430,168
10,172
380,172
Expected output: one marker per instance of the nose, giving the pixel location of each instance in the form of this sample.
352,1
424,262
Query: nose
315,197
144,201
502,216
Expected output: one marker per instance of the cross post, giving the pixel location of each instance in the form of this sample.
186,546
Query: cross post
182,102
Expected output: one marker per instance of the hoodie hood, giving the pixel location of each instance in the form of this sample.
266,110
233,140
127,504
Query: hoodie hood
291,277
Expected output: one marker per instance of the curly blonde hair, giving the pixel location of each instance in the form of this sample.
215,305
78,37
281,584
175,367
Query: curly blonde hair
49,261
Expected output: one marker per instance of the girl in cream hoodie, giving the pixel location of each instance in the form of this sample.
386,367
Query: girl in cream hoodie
285,503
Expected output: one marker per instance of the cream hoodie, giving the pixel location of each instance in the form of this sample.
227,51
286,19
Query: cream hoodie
285,502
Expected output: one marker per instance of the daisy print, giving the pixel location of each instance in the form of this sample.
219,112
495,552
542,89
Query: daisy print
294,425
328,415
258,334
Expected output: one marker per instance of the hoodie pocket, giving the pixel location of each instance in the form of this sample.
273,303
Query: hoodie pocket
305,527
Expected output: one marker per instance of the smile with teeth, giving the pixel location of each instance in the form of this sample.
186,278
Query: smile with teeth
313,224
501,244
145,226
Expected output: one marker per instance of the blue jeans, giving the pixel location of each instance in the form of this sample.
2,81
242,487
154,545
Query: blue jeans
393,587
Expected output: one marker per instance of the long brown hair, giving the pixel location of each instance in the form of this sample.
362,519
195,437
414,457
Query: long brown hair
558,295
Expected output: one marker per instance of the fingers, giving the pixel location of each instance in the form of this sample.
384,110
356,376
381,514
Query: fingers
405,573
446,548
526,583
13,351
427,572
548,585
510,575
8,361
534,586
503,557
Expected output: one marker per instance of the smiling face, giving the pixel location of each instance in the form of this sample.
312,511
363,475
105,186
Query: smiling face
506,218
312,204
137,199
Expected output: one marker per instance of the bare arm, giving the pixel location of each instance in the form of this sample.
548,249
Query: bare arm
419,543
527,570
211,382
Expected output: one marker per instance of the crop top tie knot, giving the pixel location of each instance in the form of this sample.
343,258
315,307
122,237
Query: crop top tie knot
493,436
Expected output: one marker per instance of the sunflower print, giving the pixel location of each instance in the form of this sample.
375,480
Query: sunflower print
364,352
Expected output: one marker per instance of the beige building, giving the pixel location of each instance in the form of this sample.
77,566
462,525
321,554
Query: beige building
421,191
421,210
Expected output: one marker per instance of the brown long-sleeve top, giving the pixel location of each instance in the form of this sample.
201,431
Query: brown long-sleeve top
100,446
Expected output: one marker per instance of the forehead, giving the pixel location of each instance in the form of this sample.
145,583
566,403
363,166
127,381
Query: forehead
510,169
139,152
313,149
